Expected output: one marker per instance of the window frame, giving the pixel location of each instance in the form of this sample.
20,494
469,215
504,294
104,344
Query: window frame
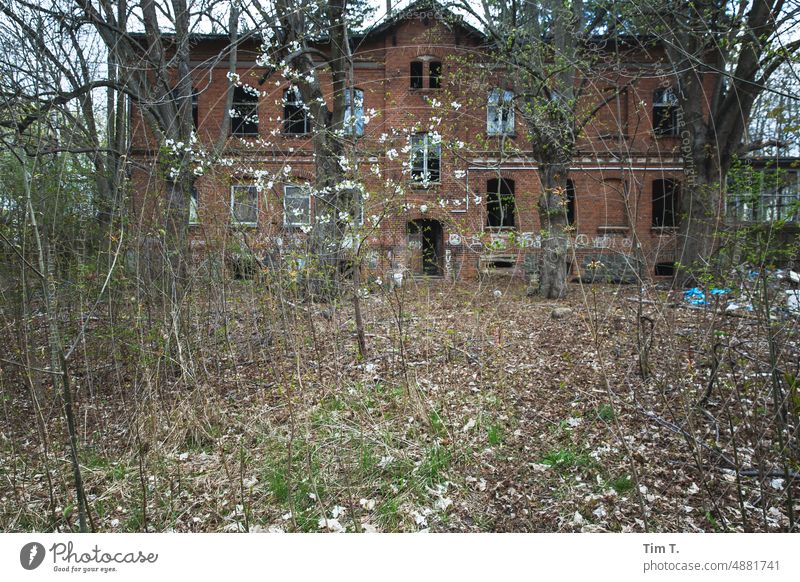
416,80
438,76
426,159
249,187
494,105
666,102
305,192
240,121
505,200
671,190
299,105
194,207
355,129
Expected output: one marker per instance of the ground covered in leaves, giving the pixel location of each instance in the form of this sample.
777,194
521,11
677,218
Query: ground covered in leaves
476,408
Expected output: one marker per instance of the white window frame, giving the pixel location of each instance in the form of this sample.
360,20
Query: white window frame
496,124
235,187
426,149
293,91
296,192
194,199
668,100
355,127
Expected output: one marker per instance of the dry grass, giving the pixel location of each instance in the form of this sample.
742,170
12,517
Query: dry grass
489,415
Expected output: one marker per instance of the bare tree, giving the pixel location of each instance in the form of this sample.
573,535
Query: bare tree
723,55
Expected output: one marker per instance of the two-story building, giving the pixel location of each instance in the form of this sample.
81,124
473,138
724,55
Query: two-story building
431,115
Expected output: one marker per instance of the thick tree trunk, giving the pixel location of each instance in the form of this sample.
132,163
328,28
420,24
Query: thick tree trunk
701,209
553,220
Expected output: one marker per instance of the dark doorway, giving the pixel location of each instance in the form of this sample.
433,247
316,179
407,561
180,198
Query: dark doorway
425,242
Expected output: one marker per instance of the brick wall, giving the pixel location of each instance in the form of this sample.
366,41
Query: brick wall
618,160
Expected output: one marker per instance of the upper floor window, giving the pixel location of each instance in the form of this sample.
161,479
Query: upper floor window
193,216
296,206
244,204
417,74
666,195
354,113
425,158
295,116
435,75
500,113
665,112
244,115
500,207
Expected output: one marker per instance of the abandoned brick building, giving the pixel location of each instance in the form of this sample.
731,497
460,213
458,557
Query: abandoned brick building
463,210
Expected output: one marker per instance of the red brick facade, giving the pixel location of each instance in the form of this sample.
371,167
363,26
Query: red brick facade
614,174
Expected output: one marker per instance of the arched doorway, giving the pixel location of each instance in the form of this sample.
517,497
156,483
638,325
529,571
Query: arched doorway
425,243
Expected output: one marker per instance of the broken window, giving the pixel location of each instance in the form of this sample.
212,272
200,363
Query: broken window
666,269
244,114
425,158
295,116
244,204
500,113
570,202
296,206
434,75
665,203
354,115
500,207
416,75
764,195
193,217
665,112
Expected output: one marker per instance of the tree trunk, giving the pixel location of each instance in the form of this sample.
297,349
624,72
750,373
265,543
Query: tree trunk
702,208
553,220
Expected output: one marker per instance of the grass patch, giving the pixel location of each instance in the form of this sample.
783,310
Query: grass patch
495,435
621,484
605,413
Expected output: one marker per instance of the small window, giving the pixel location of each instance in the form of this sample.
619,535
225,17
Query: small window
195,109
500,207
665,203
354,116
193,217
296,206
425,159
244,115
416,75
295,116
435,75
244,205
500,113
570,202
665,112
665,269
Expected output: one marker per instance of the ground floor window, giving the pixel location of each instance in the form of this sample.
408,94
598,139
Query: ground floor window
244,205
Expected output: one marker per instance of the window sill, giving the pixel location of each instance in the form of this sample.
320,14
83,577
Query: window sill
613,228
244,225
511,135
664,229
421,186
285,134
424,90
